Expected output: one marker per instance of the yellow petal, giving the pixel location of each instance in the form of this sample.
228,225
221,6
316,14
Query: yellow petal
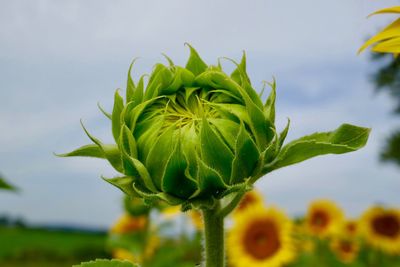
389,46
393,30
394,9
171,212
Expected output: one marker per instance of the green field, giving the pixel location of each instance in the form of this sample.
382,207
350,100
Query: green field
28,247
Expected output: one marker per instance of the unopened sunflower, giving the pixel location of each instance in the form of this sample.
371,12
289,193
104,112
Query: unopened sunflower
128,224
381,229
345,249
192,135
260,237
388,40
323,218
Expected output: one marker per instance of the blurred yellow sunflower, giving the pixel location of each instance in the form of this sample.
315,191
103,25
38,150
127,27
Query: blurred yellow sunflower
171,212
153,242
381,229
388,40
123,254
307,245
345,249
251,198
197,219
151,245
303,241
323,218
350,228
127,224
260,237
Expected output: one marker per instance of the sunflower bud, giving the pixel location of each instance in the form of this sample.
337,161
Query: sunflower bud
195,134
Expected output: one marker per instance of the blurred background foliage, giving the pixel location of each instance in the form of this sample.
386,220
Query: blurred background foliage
4,185
386,78
163,236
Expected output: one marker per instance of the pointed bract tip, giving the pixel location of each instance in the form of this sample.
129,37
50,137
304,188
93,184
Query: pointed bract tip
195,64
63,155
132,63
171,63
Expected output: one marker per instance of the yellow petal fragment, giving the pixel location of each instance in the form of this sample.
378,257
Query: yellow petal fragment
394,9
389,46
391,31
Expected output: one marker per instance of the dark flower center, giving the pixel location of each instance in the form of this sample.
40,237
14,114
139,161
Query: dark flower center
351,227
346,246
386,225
262,239
319,220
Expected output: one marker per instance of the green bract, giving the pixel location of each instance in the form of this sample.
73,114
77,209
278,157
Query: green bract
4,185
195,134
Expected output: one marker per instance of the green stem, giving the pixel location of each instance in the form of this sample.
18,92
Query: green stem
225,211
214,237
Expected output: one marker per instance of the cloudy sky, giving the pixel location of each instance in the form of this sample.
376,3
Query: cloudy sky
59,58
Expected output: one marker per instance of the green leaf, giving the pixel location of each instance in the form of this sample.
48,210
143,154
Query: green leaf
240,72
239,111
137,169
195,64
116,115
269,106
346,138
139,92
151,197
111,152
98,150
260,127
5,185
170,62
226,128
240,77
176,180
132,112
107,263
215,152
209,179
130,85
125,184
182,78
213,79
160,78
272,149
108,115
283,134
128,142
92,150
246,157
159,153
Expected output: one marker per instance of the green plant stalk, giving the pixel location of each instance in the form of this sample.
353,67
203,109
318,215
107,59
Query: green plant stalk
214,248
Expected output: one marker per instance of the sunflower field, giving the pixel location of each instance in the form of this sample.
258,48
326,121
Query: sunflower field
262,235
199,156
